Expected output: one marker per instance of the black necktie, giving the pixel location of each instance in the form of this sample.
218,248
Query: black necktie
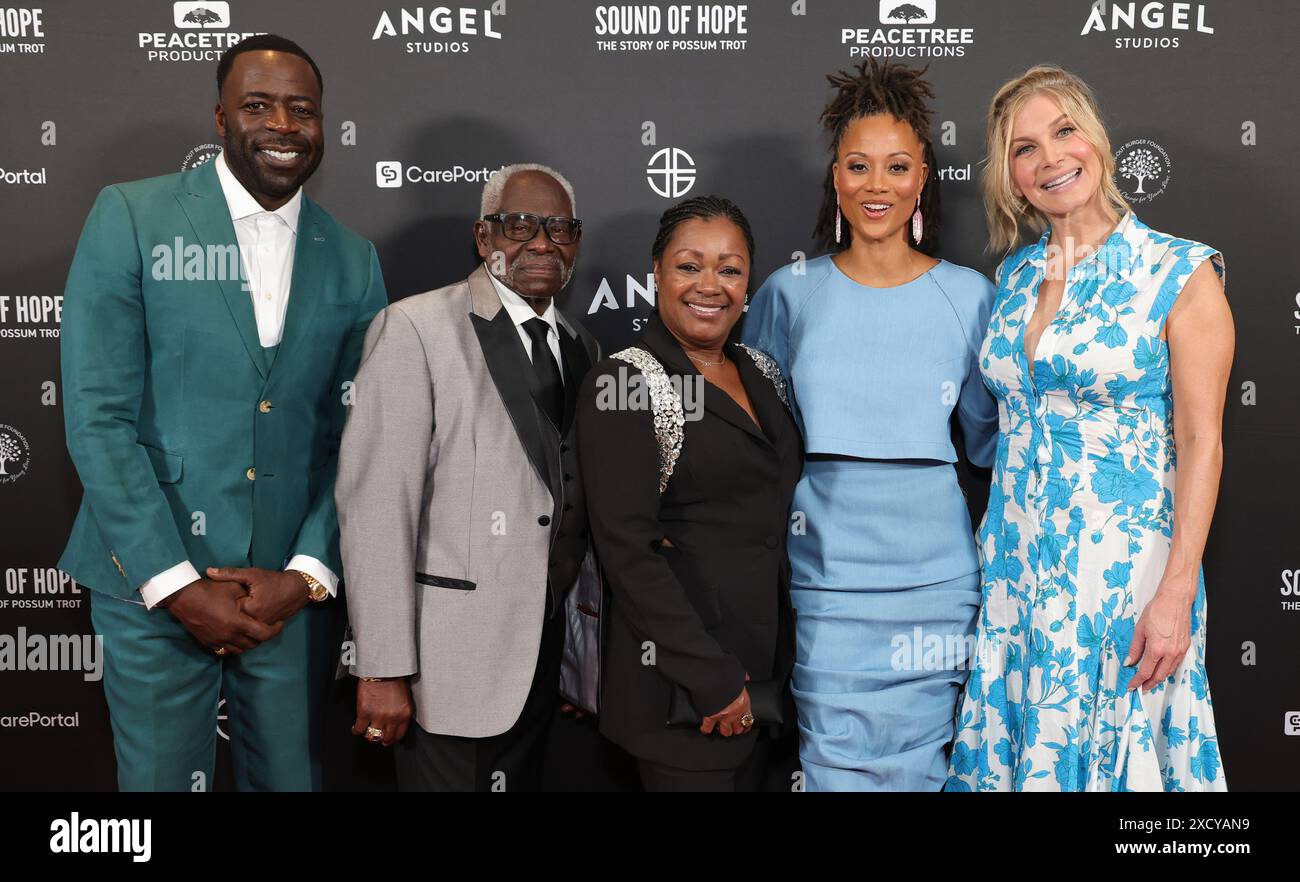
550,387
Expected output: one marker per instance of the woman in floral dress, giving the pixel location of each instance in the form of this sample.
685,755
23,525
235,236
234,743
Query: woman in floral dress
1108,350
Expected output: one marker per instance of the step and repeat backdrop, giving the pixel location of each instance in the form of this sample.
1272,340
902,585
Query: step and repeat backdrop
640,105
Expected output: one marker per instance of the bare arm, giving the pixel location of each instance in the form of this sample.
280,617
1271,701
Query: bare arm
1201,344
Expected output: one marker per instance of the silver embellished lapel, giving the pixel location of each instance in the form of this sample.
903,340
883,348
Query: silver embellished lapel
665,405
767,367
666,402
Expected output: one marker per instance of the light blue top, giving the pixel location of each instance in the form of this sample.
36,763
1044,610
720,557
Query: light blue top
876,373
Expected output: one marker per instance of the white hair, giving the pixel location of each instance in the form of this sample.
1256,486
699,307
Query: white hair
496,185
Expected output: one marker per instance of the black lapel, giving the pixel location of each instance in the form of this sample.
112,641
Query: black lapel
659,340
508,365
577,362
762,395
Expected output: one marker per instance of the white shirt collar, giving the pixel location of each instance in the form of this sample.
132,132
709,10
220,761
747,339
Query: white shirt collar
521,310
242,204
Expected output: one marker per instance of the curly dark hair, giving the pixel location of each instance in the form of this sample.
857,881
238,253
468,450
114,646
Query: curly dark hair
875,87
701,208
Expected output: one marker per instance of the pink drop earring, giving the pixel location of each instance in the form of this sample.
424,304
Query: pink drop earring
917,226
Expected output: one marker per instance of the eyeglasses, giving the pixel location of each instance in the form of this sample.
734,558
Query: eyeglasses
522,227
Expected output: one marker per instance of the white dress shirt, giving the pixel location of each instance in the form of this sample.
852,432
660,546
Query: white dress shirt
266,247
520,311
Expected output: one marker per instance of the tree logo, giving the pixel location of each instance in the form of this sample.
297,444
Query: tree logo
204,14
1142,170
15,454
915,12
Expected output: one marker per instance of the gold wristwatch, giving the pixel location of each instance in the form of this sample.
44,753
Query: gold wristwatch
315,590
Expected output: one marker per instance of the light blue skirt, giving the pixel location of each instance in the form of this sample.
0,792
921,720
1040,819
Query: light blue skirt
886,586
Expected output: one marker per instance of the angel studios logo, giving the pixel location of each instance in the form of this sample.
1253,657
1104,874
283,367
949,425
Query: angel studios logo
907,31
1164,24
200,32
15,454
439,30
1142,170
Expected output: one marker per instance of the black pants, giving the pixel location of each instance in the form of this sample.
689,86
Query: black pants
511,761
748,777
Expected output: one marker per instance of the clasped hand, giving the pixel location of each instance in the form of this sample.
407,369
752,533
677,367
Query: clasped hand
237,608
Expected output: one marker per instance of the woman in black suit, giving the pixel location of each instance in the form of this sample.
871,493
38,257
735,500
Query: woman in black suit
696,566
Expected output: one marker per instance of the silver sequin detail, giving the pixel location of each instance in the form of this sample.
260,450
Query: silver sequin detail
767,367
665,404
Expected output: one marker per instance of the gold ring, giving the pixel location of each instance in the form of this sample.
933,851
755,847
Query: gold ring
747,720
220,650
373,734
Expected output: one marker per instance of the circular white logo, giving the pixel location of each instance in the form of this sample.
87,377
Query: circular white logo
1142,170
200,155
671,172
15,454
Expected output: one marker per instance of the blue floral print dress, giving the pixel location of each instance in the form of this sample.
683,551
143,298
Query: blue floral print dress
1077,533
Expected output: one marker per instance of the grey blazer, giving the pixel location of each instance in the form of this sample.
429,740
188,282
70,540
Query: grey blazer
460,505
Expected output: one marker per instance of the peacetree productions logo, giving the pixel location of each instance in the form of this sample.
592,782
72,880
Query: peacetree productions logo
921,12
201,15
1173,19
21,31
201,33
15,454
675,28
1142,170
437,27
903,33
671,172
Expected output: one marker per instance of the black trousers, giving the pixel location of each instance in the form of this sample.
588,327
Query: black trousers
748,777
511,761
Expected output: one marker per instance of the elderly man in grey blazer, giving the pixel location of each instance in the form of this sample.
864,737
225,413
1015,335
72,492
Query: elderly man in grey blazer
461,515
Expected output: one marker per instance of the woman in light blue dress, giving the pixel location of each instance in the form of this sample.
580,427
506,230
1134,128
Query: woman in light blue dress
1109,350
878,342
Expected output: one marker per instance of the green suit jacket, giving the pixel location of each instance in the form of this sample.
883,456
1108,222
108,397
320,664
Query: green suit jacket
192,442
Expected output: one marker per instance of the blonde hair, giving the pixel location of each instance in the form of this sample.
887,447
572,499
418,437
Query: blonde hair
1004,211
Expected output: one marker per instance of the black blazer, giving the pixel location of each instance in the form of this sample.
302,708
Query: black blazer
716,605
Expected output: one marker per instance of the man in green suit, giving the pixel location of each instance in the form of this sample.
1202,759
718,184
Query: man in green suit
212,324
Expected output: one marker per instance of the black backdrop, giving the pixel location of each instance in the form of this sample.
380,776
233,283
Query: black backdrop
637,107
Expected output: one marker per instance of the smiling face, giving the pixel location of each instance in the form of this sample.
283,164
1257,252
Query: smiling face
537,268
701,278
1052,165
880,171
269,117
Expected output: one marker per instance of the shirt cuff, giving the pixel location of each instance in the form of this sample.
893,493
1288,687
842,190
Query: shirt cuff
317,570
167,583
